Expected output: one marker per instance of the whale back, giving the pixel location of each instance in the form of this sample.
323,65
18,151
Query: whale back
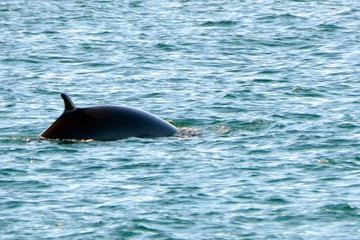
106,123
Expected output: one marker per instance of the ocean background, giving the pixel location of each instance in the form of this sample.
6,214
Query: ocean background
273,86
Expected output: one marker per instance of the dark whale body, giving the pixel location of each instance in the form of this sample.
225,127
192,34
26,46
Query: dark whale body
105,123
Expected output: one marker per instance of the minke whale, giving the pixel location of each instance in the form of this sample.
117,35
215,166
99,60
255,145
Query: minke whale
105,123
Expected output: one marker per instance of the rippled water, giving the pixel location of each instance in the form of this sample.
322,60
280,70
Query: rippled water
272,85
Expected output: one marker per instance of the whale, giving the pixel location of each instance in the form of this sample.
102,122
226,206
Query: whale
105,123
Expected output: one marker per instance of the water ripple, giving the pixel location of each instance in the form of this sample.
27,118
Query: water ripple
265,94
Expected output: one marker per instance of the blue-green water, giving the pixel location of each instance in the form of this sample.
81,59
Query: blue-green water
273,86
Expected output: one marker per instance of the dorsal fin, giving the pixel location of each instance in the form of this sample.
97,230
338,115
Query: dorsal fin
69,105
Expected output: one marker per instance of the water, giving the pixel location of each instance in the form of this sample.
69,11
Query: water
272,85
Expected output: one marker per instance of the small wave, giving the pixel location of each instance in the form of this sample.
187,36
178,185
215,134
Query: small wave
165,47
285,16
30,60
305,92
67,141
19,139
223,23
341,208
252,125
329,27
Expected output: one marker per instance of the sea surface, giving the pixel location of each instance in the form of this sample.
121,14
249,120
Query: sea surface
272,86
